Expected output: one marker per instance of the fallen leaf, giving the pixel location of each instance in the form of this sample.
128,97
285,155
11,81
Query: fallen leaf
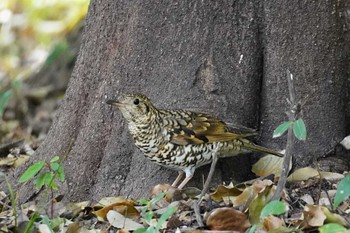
73,227
308,199
227,219
251,192
313,216
119,221
258,202
346,142
125,208
303,174
333,218
272,222
269,164
224,191
306,173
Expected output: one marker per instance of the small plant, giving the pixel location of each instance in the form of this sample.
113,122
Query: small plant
155,225
299,129
55,172
6,91
343,191
48,180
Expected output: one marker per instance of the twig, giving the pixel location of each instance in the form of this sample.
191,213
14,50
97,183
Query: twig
196,204
292,115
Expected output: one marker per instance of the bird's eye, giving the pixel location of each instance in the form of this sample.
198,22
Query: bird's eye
136,101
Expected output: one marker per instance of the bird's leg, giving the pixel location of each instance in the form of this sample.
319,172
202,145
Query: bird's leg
196,204
178,178
184,182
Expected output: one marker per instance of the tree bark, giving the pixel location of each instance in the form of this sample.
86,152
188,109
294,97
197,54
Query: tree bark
226,58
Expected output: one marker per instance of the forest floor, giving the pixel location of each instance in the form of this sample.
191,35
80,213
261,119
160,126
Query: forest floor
312,201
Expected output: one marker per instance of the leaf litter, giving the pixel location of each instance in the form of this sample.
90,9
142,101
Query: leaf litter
308,197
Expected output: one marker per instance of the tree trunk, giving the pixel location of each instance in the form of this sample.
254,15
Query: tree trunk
226,58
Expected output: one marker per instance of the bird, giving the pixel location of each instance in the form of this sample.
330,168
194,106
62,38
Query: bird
179,139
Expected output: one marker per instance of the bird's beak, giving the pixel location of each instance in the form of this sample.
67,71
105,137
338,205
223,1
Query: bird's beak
115,103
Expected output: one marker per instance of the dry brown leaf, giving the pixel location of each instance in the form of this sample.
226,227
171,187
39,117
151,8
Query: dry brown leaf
306,173
119,221
250,193
224,191
308,199
121,205
20,160
73,227
13,161
8,161
171,194
302,174
269,164
225,219
73,209
272,222
123,231
332,175
313,216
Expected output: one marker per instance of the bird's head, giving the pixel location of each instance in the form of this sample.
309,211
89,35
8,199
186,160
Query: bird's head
136,108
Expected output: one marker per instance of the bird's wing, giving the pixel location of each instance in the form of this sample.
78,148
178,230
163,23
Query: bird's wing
197,128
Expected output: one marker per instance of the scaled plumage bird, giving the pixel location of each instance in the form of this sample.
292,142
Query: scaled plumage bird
178,139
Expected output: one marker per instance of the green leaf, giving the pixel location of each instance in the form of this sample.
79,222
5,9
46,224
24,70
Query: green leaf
55,166
148,216
151,229
31,171
53,185
274,208
140,230
57,50
165,216
60,173
48,178
143,201
157,198
343,191
4,100
332,228
252,229
46,221
55,159
16,84
39,182
299,129
281,129
31,222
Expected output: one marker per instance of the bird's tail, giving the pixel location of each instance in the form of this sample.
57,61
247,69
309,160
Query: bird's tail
253,147
242,146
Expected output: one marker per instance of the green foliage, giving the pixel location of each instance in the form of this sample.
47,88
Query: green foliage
31,222
299,129
343,191
148,215
55,170
298,126
274,208
31,171
45,179
252,229
4,100
281,129
332,228
6,92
